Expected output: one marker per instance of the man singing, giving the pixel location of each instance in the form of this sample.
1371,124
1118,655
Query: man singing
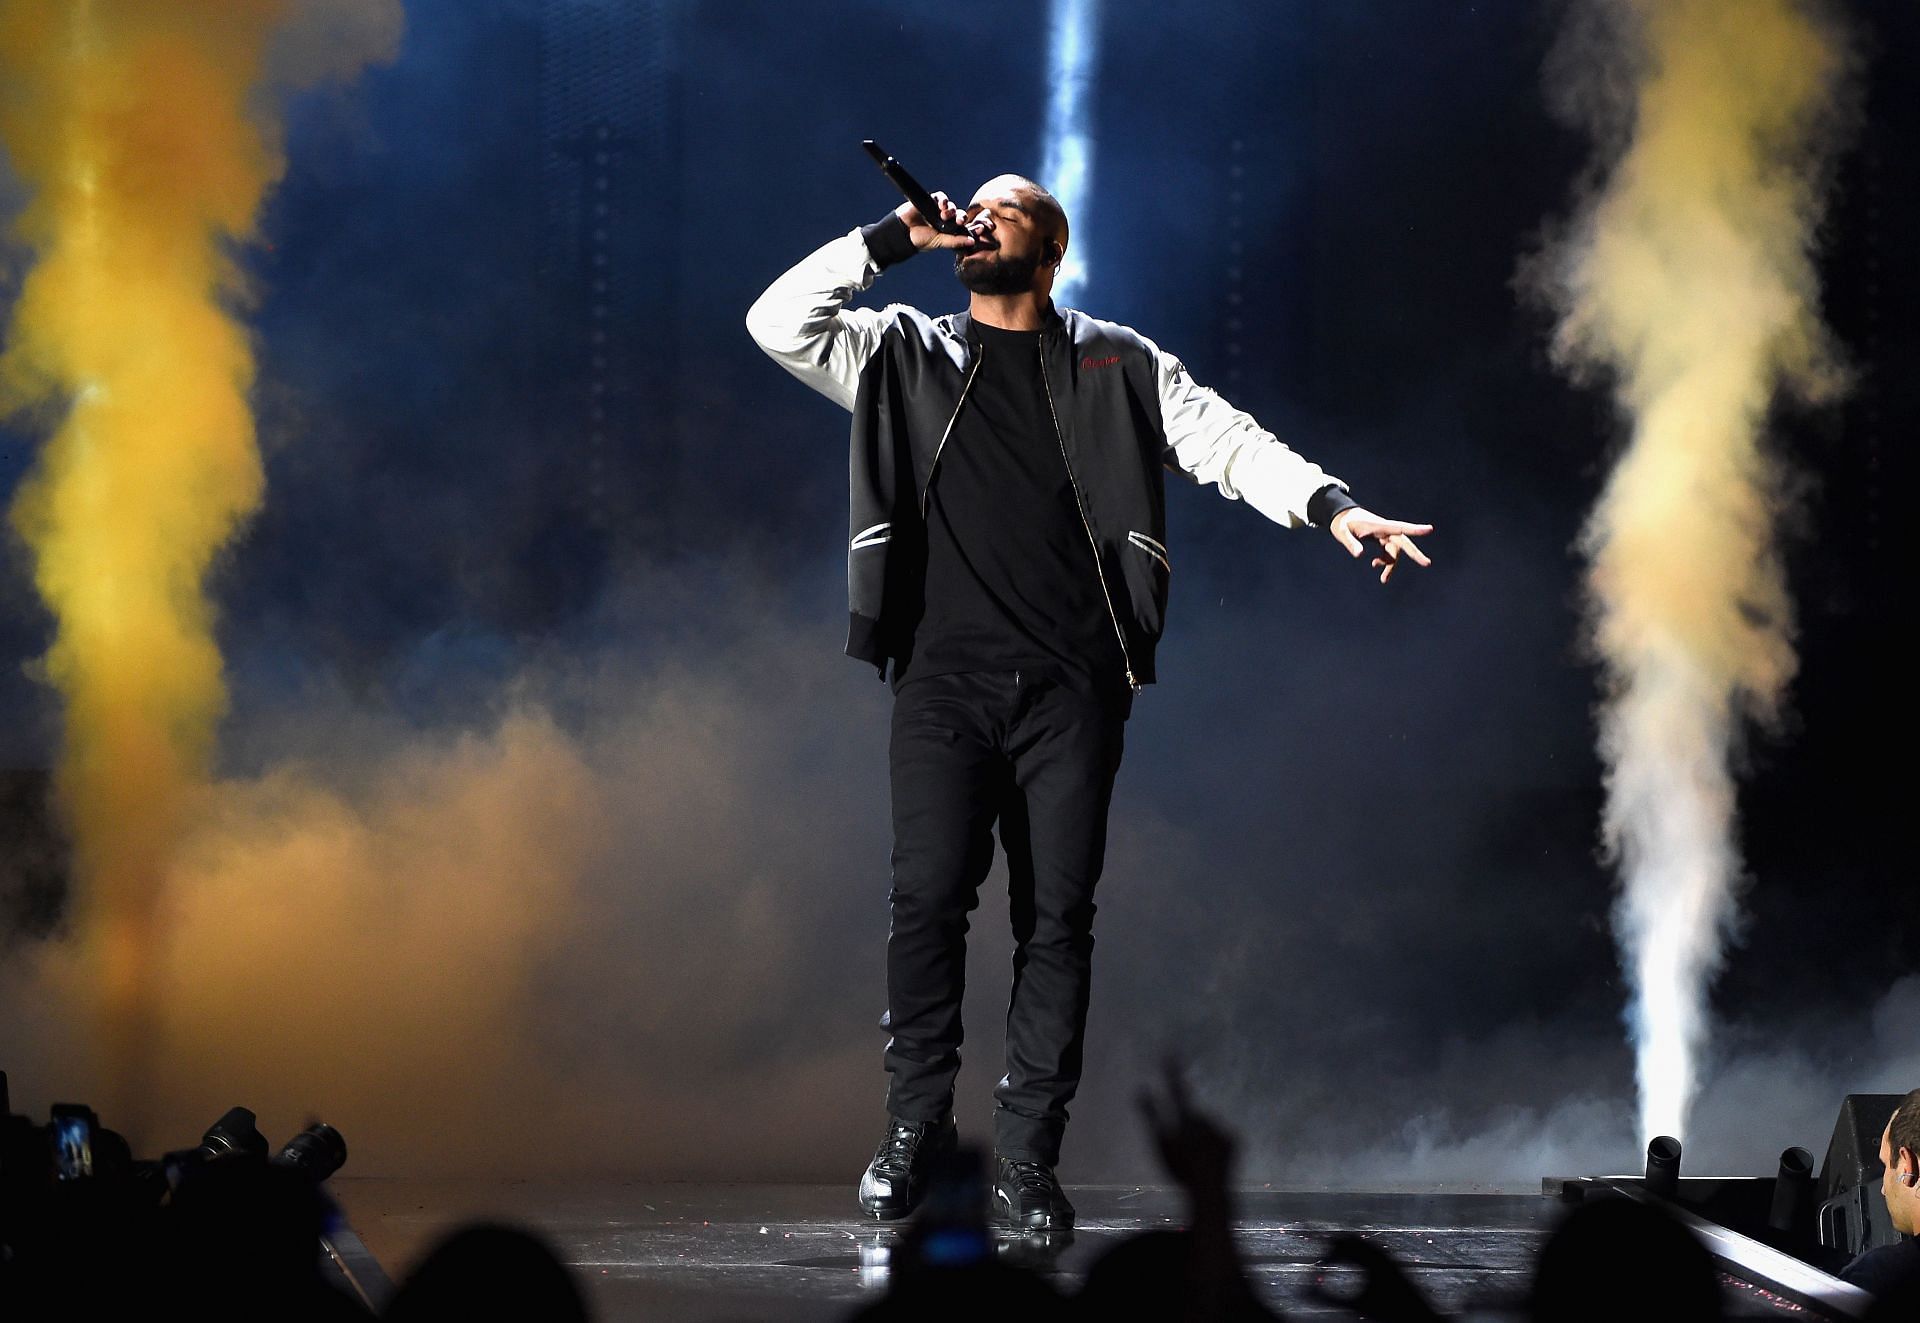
1007,556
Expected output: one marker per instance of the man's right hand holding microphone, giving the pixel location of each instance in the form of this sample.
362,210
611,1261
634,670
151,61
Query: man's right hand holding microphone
924,235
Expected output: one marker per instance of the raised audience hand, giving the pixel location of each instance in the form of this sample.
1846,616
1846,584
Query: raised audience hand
1198,1154
1194,1150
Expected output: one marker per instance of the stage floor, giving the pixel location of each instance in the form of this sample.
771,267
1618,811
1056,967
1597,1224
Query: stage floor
688,1253
673,1252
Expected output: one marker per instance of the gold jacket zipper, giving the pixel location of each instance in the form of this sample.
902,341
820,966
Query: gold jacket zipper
1046,384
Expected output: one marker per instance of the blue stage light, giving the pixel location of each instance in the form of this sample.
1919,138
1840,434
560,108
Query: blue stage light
1067,151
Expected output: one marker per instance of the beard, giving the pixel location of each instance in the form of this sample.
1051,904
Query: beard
996,273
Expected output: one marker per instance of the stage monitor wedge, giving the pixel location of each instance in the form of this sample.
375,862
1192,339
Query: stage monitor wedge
1853,1154
1853,1211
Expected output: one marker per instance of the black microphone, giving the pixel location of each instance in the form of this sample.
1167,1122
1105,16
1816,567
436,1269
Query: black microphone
910,187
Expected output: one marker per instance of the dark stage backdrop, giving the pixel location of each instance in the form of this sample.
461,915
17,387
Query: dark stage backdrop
523,458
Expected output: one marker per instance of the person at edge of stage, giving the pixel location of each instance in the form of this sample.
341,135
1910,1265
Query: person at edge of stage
1007,557
1879,1271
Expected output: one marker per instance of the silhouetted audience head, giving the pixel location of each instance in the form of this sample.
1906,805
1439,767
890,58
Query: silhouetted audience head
1144,1276
1620,1258
990,1290
488,1272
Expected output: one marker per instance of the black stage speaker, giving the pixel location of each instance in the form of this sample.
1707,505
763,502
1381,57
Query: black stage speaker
1853,1213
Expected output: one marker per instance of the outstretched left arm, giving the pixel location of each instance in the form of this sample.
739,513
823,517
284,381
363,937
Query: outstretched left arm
1211,441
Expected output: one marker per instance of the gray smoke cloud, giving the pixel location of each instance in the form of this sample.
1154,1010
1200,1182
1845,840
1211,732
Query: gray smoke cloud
643,889
569,926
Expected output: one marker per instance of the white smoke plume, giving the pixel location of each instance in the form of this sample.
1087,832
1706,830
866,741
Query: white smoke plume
1686,279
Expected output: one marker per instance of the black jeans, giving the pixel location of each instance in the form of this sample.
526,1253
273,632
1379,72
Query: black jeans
1039,758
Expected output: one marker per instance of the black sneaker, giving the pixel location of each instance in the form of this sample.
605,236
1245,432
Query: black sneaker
1027,1197
897,1177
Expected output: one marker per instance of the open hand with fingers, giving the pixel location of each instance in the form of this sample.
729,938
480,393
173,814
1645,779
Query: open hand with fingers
1392,539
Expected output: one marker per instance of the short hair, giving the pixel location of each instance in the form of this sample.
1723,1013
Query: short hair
1047,210
1905,1131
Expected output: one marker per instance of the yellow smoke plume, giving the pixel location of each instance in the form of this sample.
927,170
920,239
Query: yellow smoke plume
137,126
1687,279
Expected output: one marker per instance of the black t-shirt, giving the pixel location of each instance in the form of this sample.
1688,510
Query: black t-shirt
1012,582
1879,1271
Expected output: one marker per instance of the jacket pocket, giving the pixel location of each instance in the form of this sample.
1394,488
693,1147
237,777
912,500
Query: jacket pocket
871,537
1152,548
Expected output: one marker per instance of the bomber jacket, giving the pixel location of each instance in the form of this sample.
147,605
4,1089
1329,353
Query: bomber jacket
1124,410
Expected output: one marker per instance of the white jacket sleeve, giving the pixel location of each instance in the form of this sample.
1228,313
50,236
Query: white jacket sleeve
1211,441
803,323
